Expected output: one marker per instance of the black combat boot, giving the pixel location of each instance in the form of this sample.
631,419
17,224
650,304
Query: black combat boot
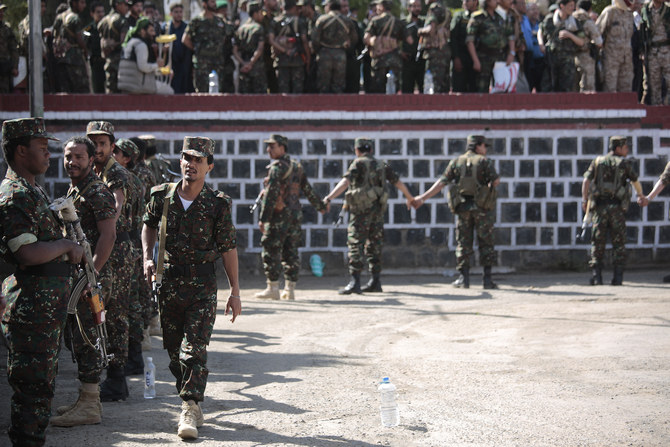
115,386
135,363
374,285
463,279
617,279
596,275
354,285
488,282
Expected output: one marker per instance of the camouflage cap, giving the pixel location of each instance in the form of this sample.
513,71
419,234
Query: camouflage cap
25,127
476,140
618,140
198,146
100,128
364,144
279,139
129,148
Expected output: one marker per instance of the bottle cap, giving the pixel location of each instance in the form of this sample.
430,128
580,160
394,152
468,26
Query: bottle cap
150,359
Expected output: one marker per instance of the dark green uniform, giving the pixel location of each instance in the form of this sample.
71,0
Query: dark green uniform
490,36
208,37
248,37
195,239
289,31
333,35
71,73
282,212
36,310
413,68
464,80
112,28
561,52
436,49
389,32
9,58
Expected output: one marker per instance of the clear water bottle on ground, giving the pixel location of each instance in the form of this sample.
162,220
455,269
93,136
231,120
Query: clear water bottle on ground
390,83
149,379
428,85
388,408
213,82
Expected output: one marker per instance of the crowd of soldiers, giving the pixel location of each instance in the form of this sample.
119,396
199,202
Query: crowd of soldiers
300,47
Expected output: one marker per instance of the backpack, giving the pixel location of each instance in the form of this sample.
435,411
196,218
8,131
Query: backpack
370,191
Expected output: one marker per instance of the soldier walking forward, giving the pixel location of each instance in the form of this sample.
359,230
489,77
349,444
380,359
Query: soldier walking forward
198,227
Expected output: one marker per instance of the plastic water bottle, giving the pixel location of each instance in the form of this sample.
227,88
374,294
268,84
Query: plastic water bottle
213,82
390,83
149,379
428,85
389,408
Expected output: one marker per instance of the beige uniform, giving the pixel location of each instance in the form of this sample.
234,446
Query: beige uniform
616,27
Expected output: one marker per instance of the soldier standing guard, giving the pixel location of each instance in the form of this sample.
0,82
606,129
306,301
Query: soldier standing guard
248,51
37,293
656,35
463,77
95,207
280,218
70,50
112,29
435,44
606,190
290,48
616,26
366,201
413,65
472,197
197,224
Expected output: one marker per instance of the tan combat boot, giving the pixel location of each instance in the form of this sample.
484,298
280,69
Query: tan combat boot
188,420
87,410
289,291
271,292
155,326
146,340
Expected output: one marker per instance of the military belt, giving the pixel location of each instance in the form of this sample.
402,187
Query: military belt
122,236
49,269
601,201
660,43
192,270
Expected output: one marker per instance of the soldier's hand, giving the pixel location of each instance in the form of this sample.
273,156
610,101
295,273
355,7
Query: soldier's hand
75,253
234,305
476,65
643,201
261,227
149,269
584,204
510,58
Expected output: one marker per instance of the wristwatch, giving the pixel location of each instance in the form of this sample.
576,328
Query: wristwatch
513,53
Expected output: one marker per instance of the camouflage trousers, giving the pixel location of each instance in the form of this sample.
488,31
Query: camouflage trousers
291,79
331,70
380,66
618,69
188,311
32,324
438,62
586,71
658,61
122,264
608,219
72,78
112,73
365,239
483,78
469,222
563,72
255,81
280,247
201,77
135,305
89,361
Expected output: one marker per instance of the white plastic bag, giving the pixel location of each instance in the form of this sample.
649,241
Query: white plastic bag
505,77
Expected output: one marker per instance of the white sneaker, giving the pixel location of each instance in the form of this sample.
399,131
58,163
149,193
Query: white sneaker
187,420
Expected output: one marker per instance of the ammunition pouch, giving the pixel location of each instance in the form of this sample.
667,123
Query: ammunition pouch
454,198
360,200
486,198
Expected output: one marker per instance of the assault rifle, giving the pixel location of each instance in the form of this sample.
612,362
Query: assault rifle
257,202
340,216
586,222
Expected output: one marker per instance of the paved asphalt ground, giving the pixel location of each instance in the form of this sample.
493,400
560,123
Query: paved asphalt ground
543,361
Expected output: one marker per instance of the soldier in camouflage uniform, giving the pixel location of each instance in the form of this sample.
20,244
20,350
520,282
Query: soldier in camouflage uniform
487,41
248,51
616,26
366,196
290,48
472,198
383,36
227,83
70,50
37,292
435,44
126,152
9,55
269,10
606,194
663,181
280,218
205,35
563,36
112,29
333,35
158,166
655,28
311,15
199,229
463,76
117,179
95,207
413,67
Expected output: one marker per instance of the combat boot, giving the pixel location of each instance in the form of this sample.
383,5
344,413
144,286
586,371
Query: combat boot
155,325
114,387
146,340
289,291
354,285
87,387
188,420
86,411
271,292
374,285
617,279
135,363
463,279
596,275
488,282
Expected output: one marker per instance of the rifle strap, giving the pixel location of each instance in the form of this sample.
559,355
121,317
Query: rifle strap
160,267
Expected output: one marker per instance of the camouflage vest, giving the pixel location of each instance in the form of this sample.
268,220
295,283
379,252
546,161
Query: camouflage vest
289,189
468,187
609,180
362,197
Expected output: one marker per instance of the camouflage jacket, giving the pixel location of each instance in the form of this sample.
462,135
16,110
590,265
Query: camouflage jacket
137,203
616,26
438,37
9,51
488,32
116,177
208,37
552,26
485,174
650,22
288,32
286,178
144,173
459,31
333,30
603,171
198,235
159,168
379,173
112,28
389,32
94,202
66,29
248,37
